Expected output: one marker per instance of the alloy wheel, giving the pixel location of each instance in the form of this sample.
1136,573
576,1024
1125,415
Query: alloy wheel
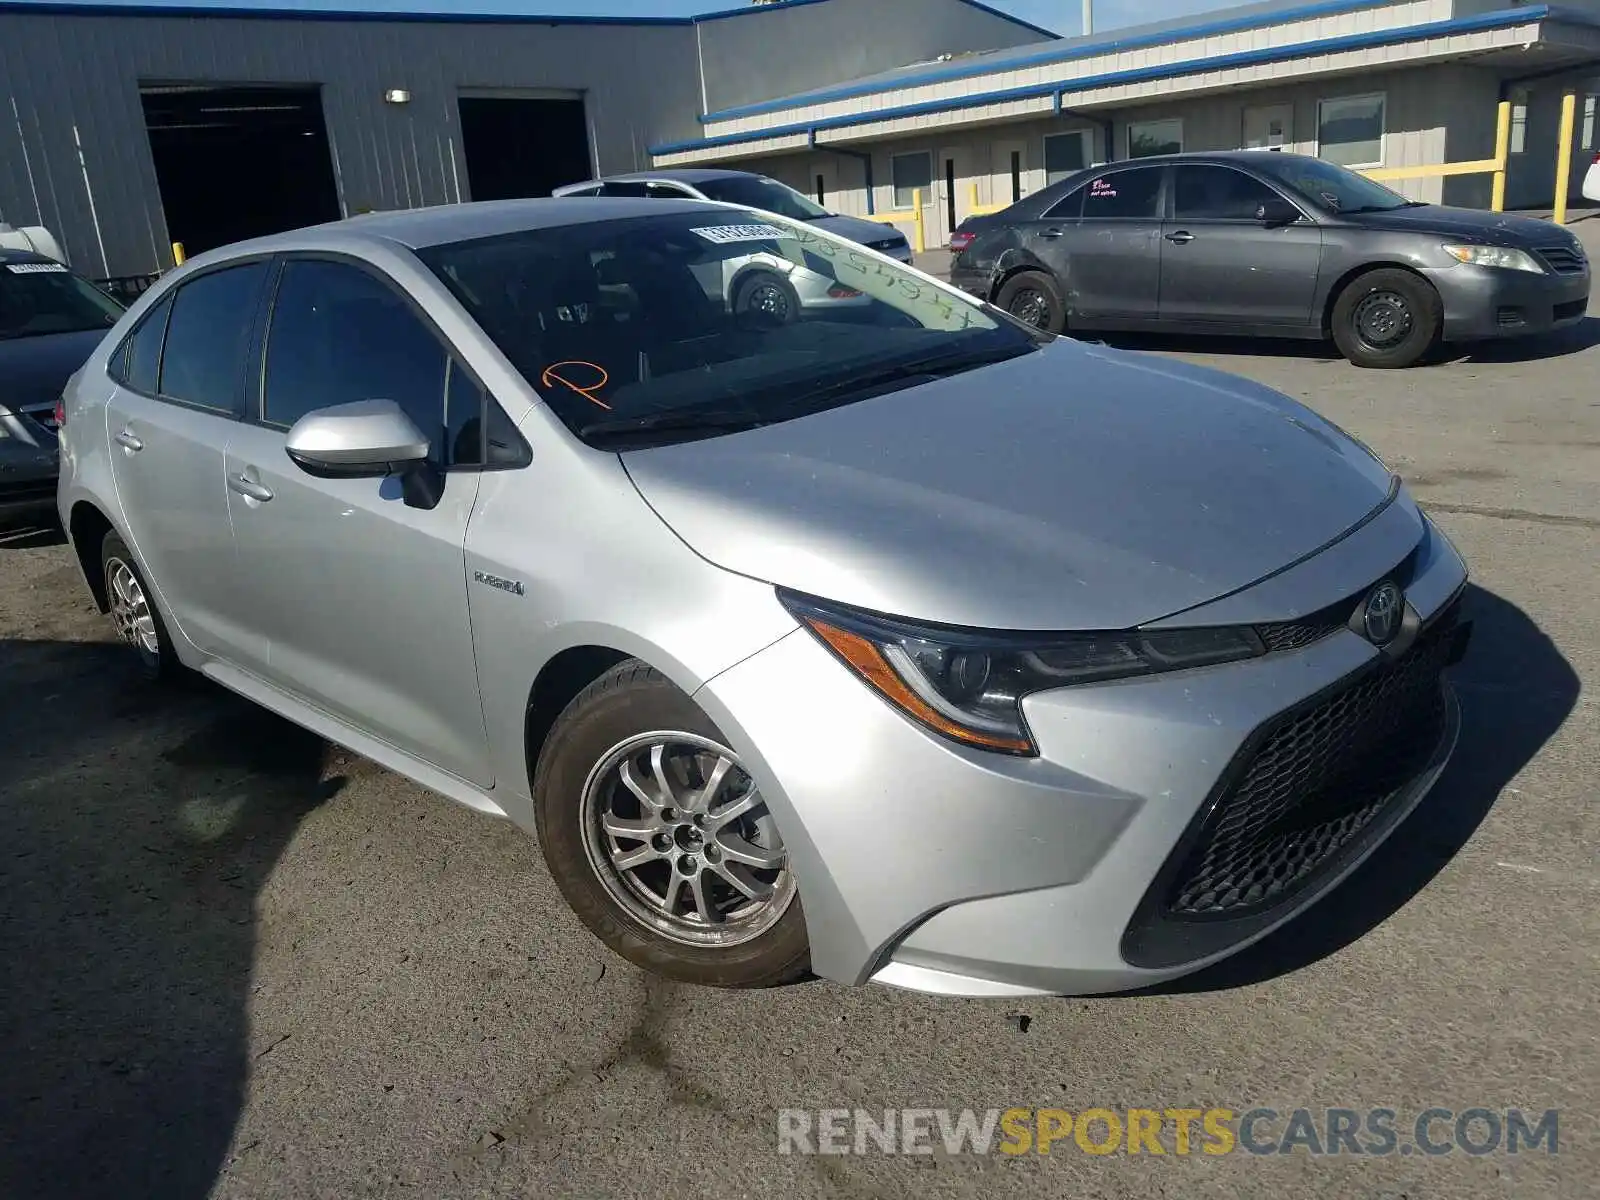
130,609
679,835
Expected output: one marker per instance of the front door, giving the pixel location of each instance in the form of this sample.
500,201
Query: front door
1008,173
1220,264
360,599
1103,243
168,432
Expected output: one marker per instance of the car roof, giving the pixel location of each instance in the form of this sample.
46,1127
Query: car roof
1236,157
680,174
24,256
418,228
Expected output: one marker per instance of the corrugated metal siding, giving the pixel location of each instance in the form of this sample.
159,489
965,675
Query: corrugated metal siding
65,73
757,56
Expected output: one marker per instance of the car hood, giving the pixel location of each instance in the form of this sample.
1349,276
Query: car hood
1492,228
33,370
1074,488
857,230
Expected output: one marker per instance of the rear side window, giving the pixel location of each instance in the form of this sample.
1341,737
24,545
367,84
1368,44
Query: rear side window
1127,195
208,336
137,363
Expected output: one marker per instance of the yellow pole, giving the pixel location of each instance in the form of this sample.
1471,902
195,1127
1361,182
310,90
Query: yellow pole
178,256
975,204
1502,152
920,244
1569,110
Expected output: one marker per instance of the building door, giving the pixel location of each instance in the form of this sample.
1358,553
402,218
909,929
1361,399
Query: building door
954,192
1008,172
1268,127
520,144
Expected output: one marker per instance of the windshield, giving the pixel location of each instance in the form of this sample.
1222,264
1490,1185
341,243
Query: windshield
684,325
37,298
1329,187
756,191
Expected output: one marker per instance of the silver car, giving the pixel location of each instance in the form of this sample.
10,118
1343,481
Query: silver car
900,642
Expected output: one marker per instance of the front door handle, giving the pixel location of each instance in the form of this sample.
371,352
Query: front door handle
129,441
1051,233
249,488
1181,236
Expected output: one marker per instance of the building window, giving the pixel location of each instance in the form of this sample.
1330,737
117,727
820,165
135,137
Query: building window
1350,130
1519,120
1065,154
1588,121
1155,137
911,173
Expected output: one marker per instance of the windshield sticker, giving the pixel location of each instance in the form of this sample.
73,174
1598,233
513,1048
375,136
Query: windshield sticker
36,268
552,376
723,234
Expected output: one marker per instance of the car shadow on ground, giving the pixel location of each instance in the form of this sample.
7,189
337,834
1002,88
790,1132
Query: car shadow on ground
137,825
1574,339
1516,691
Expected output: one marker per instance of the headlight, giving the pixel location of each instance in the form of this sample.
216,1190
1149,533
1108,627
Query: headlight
968,684
1495,256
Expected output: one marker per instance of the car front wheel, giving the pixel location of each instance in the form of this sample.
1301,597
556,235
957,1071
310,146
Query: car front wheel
662,842
1387,319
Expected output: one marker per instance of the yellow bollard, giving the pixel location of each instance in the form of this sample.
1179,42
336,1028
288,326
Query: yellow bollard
178,256
975,206
1502,151
1569,111
920,241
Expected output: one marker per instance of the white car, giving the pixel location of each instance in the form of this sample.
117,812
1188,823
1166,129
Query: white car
1591,181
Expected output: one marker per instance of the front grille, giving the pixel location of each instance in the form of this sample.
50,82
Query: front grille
1304,631
1572,308
1563,260
1313,781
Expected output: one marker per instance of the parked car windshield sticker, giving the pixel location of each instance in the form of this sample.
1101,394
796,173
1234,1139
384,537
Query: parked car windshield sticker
723,234
36,268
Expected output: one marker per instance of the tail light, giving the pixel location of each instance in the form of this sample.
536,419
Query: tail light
960,240
839,292
61,411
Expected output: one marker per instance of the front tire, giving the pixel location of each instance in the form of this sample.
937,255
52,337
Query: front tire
133,611
1387,319
1034,298
660,841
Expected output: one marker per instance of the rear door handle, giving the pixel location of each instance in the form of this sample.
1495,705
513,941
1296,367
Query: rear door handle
249,488
129,441
1181,236
1051,233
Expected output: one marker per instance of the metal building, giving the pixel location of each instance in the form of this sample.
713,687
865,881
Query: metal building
124,128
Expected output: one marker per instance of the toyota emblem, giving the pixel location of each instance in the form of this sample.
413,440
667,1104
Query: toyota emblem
1382,614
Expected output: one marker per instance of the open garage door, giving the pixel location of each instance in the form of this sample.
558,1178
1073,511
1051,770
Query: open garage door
523,144
239,162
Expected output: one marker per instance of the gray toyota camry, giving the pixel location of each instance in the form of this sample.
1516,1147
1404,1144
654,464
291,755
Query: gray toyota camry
896,641
1269,244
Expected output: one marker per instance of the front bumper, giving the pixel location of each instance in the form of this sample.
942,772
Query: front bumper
927,865
1482,302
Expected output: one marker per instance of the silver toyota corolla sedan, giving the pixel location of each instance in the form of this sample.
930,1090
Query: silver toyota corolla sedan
898,641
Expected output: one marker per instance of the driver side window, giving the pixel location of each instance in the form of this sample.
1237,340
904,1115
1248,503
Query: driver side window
339,335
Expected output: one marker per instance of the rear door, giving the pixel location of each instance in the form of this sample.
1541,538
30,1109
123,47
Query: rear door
1220,264
360,599
1103,243
169,420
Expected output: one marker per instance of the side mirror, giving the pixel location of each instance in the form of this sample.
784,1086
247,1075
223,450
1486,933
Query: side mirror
1277,211
369,439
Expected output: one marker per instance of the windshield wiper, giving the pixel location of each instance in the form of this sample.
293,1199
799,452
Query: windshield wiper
669,422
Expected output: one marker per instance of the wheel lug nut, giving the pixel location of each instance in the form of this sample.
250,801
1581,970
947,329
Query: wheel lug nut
688,864
712,854
661,841
668,814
